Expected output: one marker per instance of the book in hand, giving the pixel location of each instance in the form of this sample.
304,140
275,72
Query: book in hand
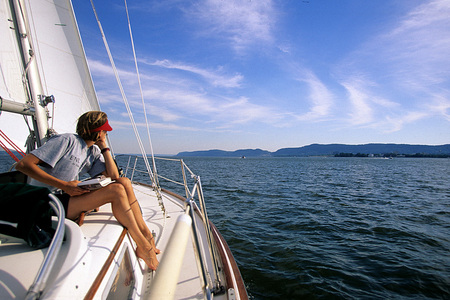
95,183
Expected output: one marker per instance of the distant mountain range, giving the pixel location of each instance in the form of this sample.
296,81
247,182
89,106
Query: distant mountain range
222,153
328,149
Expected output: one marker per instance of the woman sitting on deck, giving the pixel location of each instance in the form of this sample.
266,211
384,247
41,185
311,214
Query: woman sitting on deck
59,163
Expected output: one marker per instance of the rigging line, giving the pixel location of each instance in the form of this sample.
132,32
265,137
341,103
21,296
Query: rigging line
38,58
31,35
142,94
11,143
26,63
25,66
133,123
9,151
35,48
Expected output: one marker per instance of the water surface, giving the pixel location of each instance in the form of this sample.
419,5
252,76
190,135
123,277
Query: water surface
334,228
331,228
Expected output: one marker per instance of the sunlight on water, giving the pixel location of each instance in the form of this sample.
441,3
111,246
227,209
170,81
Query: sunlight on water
331,228
347,228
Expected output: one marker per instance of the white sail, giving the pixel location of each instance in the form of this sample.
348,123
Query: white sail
11,86
98,260
61,62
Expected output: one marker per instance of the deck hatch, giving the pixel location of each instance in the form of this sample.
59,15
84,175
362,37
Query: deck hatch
121,284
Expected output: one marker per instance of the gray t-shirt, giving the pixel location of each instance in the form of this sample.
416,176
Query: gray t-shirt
67,157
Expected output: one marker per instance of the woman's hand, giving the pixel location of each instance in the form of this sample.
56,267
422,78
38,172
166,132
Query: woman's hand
72,188
101,142
110,165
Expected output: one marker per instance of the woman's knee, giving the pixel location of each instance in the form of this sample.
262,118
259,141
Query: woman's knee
124,181
116,190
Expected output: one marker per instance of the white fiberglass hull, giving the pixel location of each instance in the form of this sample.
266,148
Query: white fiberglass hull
97,260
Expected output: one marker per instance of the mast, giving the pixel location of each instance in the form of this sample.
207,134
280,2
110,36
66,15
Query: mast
34,87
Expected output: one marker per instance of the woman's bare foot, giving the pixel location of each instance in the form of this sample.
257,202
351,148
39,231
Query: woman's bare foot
157,251
149,257
151,240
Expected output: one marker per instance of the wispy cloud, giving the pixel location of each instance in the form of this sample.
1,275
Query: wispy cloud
417,48
320,97
413,53
396,123
361,110
213,77
171,126
242,23
164,113
217,111
175,101
241,110
440,105
410,60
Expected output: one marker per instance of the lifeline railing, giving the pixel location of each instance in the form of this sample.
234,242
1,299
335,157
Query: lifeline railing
191,206
40,282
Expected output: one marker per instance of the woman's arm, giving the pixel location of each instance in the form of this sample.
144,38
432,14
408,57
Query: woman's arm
110,165
29,166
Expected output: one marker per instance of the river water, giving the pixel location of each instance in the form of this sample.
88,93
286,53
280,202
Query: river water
332,228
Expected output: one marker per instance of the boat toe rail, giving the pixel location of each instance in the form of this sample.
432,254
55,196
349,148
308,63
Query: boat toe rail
211,260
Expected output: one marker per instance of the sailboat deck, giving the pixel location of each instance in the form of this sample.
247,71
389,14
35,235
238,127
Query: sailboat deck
44,60
87,247
14,283
189,282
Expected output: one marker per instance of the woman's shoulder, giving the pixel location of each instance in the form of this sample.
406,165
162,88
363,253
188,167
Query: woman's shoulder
69,136
55,144
65,139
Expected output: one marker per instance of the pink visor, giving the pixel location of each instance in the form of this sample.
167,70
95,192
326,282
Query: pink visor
104,127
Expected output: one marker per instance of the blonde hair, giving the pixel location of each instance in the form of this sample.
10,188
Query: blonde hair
89,121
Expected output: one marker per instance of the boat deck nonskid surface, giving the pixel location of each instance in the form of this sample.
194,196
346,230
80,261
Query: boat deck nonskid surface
190,281
87,247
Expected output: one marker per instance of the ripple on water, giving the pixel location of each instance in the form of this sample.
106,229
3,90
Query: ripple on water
326,228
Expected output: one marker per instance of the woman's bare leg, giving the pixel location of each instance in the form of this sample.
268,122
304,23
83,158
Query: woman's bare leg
134,204
117,196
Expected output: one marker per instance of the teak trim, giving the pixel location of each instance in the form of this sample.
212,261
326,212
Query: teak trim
231,269
101,275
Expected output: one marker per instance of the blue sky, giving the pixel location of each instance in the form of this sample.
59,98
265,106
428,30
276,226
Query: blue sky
272,74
